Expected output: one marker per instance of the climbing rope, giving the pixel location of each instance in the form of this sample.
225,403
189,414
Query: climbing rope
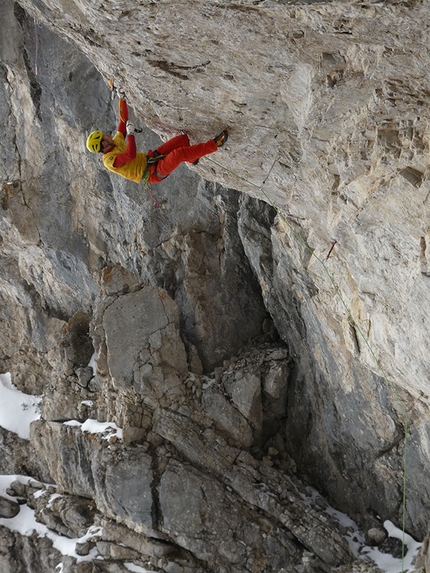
37,26
154,200
405,405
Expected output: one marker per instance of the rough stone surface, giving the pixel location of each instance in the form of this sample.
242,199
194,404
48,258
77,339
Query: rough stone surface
8,508
152,321
265,329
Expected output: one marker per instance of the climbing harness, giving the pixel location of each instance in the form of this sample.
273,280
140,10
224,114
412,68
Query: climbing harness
152,161
405,406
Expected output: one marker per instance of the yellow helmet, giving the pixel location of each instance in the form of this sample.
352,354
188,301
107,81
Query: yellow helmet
94,141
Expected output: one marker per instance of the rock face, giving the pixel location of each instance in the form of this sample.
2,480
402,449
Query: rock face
265,329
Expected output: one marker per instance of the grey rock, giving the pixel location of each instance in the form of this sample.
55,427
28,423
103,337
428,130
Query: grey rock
331,131
229,420
152,319
132,434
246,396
173,568
275,387
8,508
84,548
18,488
376,535
85,376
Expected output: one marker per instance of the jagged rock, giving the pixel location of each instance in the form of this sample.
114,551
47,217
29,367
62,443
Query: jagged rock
120,484
133,434
83,549
329,128
376,535
116,552
118,280
205,449
393,546
85,375
8,508
245,393
423,559
18,488
69,515
21,554
276,388
152,320
76,342
227,419
16,455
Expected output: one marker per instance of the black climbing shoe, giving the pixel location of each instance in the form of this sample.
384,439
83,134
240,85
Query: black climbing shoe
196,161
221,138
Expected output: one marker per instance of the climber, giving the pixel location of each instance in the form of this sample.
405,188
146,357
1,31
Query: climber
154,166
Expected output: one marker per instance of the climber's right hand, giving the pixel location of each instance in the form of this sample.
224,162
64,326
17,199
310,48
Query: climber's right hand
120,93
129,126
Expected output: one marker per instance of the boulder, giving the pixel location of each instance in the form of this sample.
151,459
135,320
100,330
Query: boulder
8,509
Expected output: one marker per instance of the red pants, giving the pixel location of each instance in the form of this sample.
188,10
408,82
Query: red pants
176,151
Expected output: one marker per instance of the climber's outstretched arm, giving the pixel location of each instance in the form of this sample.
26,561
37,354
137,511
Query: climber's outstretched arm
123,116
130,152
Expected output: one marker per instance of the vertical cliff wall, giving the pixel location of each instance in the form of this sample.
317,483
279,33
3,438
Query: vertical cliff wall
327,106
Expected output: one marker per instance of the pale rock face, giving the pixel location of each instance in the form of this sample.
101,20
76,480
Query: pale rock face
327,105
149,315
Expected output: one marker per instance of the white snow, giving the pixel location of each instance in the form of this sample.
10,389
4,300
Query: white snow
51,499
25,523
5,482
93,363
95,427
357,540
384,561
389,563
17,410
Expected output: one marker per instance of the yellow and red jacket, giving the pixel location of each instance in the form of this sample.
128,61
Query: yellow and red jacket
124,159
133,169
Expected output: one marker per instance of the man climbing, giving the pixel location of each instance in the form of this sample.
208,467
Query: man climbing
154,166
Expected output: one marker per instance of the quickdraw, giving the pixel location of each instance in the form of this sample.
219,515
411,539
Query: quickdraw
152,161
155,201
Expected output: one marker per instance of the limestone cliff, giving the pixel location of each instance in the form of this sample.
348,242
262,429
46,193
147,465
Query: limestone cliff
265,330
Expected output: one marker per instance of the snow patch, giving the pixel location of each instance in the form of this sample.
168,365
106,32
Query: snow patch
109,429
384,561
93,363
25,523
357,540
389,563
17,410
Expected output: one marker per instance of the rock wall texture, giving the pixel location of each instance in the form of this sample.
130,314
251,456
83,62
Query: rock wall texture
265,330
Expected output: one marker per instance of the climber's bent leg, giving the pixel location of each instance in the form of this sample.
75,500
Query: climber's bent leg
174,143
187,154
